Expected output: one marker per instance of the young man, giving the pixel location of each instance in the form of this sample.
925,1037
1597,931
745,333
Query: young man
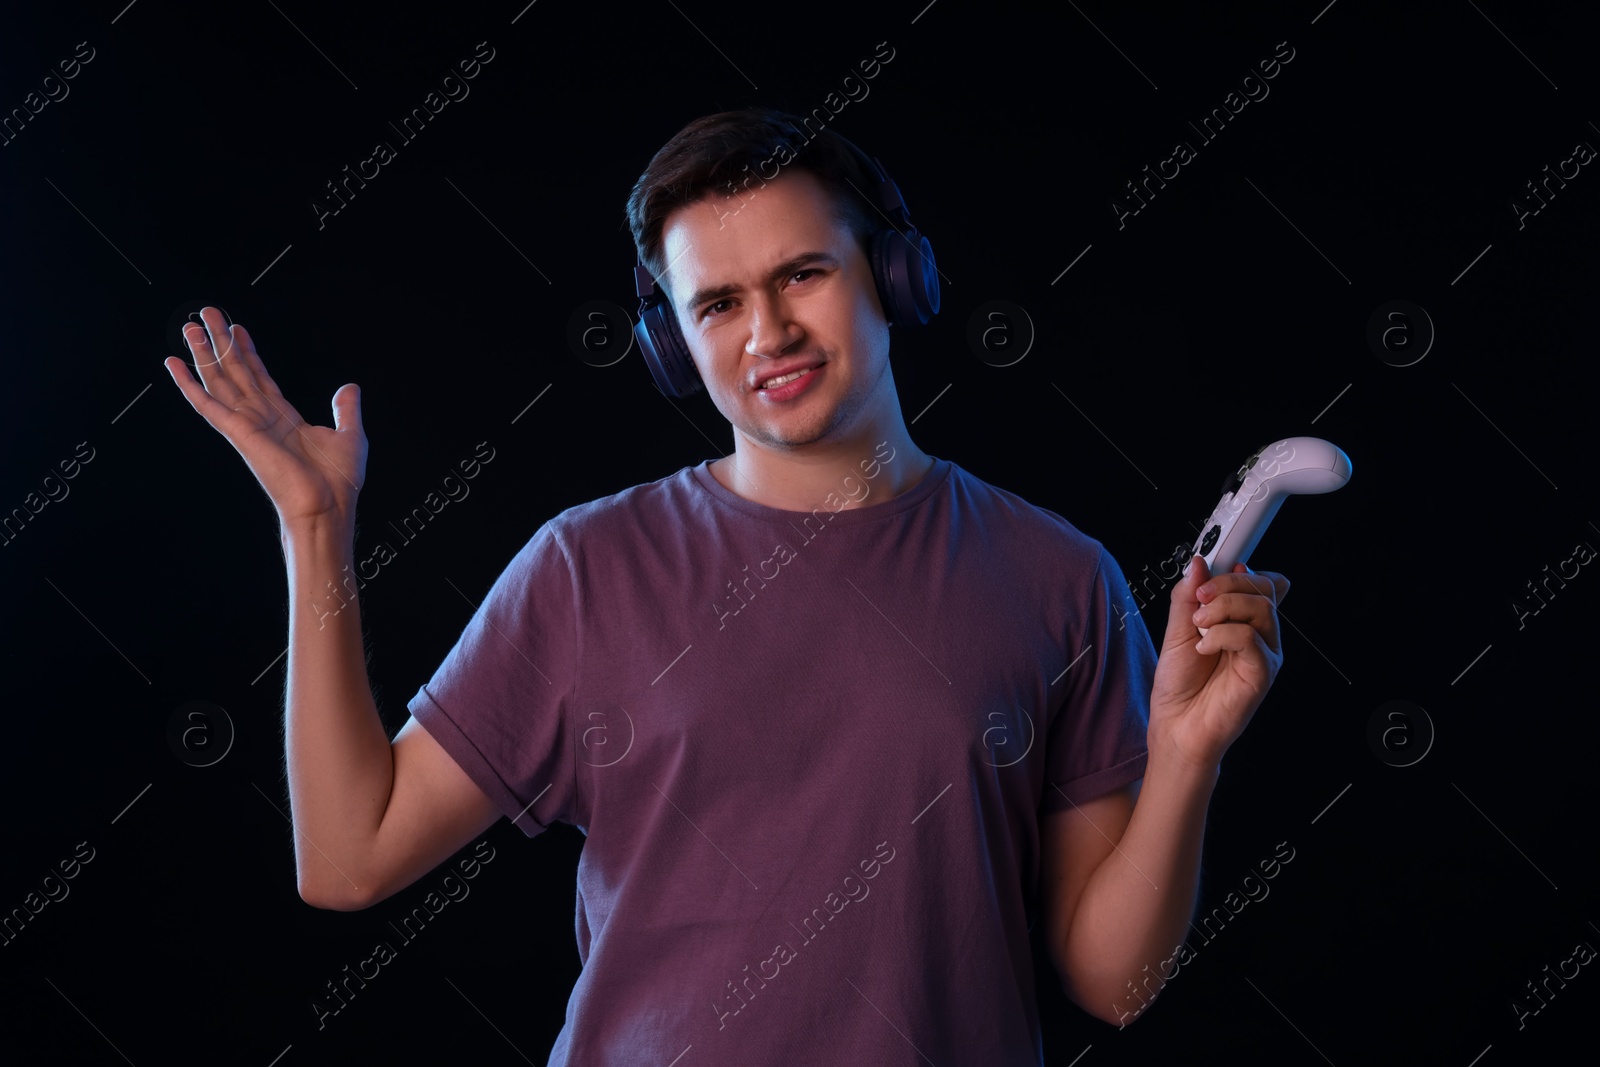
841,722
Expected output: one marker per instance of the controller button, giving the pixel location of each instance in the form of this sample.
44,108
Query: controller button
1209,542
1236,479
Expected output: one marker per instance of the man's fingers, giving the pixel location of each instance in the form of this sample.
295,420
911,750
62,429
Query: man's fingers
1256,612
222,342
229,354
250,360
249,366
207,365
232,370
1238,638
204,404
1277,587
1269,584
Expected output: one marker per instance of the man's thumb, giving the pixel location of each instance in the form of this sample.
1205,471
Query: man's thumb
347,407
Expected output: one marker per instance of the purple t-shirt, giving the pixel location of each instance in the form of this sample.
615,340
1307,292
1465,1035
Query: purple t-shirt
810,752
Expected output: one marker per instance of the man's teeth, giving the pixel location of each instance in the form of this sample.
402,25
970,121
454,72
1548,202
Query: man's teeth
773,383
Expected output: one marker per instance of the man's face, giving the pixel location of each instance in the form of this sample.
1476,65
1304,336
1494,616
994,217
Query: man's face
770,280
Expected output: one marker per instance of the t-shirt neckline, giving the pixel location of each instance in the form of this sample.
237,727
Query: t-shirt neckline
935,477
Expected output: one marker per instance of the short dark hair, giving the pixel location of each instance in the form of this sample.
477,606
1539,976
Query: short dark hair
727,152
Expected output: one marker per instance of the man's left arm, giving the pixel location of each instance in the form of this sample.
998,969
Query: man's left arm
1120,873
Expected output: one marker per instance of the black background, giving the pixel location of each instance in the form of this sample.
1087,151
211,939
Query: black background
1231,311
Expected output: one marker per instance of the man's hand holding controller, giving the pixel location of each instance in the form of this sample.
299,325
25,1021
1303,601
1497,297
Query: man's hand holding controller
1206,691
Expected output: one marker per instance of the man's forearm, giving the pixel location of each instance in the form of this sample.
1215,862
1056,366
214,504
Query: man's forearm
340,762
1136,907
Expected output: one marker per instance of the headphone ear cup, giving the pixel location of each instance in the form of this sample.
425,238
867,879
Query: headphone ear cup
906,276
665,352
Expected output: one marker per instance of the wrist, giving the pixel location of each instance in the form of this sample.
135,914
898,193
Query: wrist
332,525
1170,764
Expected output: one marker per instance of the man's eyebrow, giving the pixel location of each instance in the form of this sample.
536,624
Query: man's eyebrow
782,270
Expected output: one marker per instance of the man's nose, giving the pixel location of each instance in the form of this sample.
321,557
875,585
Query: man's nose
772,327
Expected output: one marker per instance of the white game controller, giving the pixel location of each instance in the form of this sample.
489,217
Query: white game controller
1253,494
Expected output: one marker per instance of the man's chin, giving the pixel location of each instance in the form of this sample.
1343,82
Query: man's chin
792,438
795,430
794,442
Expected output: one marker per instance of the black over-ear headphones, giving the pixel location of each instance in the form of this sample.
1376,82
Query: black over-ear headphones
902,268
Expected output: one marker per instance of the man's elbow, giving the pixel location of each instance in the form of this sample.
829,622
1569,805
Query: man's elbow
1117,1006
1120,1011
318,897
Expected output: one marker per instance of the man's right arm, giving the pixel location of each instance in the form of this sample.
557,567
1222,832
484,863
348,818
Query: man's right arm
370,818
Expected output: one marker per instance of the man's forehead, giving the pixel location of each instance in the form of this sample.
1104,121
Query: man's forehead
710,240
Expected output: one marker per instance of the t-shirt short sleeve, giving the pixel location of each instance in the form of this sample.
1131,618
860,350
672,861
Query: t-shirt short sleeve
501,701
1097,737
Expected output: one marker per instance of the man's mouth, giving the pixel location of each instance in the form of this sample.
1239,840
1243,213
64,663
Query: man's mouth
773,383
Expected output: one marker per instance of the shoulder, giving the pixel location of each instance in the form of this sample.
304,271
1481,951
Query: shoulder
644,513
1021,521
648,498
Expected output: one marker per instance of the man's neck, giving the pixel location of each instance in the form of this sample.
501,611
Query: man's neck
858,474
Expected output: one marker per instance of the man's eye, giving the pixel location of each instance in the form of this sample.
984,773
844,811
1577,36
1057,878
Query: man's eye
711,309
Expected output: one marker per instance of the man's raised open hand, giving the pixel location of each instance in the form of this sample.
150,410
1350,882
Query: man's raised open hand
309,472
